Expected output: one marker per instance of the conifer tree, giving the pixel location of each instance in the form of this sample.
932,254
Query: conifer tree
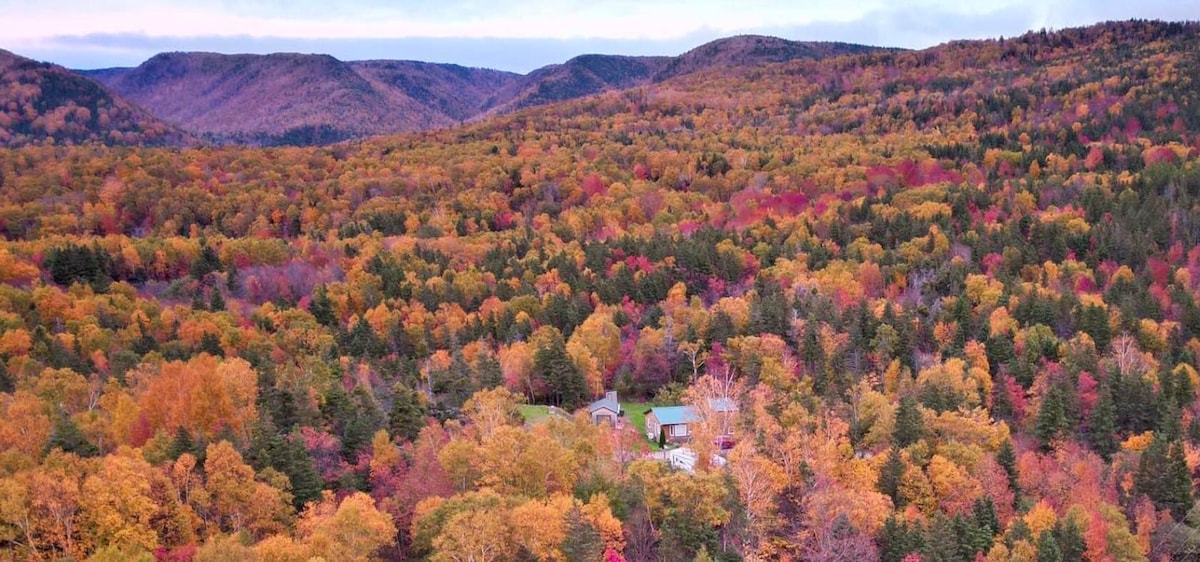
1102,426
408,415
910,425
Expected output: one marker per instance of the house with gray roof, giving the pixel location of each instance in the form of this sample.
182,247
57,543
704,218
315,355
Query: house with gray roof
605,410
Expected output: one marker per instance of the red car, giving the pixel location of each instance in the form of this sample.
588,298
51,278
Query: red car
724,442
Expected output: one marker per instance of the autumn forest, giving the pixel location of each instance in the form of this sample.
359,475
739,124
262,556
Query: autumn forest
954,293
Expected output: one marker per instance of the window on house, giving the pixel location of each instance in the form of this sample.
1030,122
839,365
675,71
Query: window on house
679,430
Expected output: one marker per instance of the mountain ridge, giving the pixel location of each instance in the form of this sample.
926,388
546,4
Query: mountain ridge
294,98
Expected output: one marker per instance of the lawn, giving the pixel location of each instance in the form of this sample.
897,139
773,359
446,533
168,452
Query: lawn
534,413
635,413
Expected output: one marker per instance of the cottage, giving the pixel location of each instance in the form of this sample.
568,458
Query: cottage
672,421
605,410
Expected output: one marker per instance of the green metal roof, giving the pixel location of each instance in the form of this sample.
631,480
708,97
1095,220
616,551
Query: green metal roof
673,415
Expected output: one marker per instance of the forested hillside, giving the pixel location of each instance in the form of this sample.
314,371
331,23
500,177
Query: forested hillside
953,292
40,101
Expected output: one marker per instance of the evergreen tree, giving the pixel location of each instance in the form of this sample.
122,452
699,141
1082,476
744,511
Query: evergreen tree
488,373
7,384
583,542
1048,549
69,438
233,279
1163,475
181,443
1093,320
720,328
321,307
973,536
910,424
941,541
217,302
198,301
984,512
1070,540
1137,410
898,538
1102,426
362,341
408,415
452,385
207,262
354,417
210,343
565,381
890,476
1006,457
1051,418
270,449
769,308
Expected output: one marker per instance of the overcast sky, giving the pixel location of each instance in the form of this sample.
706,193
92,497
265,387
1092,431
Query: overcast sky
517,35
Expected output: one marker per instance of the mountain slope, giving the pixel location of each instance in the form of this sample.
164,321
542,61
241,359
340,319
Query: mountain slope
579,77
455,92
747,50
315,99
266,98
41,102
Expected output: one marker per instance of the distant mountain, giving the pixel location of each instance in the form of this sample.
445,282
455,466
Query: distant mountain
579,77
455,92
749,50
313,99
41,102
281,98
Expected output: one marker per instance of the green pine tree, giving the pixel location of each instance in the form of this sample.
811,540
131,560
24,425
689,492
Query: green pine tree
217,302
233,279
1048,549
1102,426
181,443
69,438
321,307
408,415
1163,475
198,301
564,380
898,538
7,384
207,262
941,540
890,475
583,542
1070,540
1006,457
910,424
210,343
1051,418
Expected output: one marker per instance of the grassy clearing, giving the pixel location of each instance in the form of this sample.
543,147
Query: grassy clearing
534,413
635,414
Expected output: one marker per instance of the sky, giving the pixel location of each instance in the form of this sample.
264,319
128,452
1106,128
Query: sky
517,35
